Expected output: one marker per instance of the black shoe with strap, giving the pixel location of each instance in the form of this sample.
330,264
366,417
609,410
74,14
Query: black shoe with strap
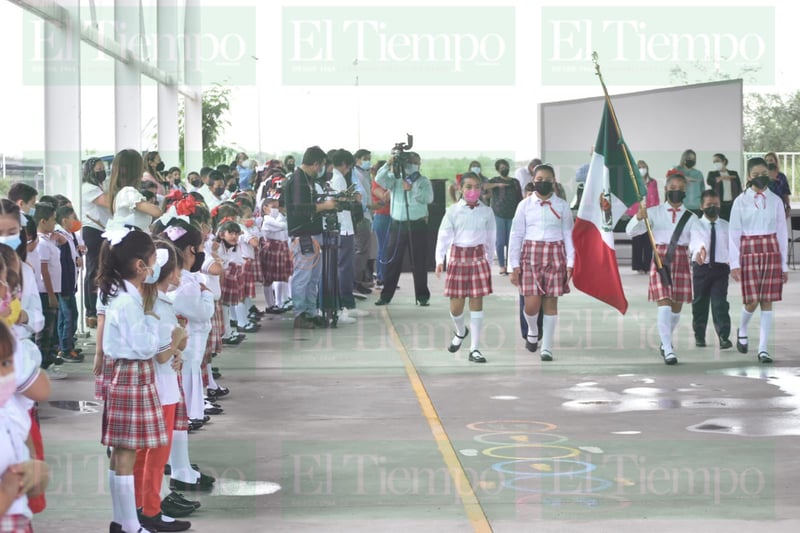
741,346
476,356
546,355
157,523
453,348
763,357
531,346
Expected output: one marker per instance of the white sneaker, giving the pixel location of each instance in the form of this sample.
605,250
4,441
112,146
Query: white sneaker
53,373
345,318
357,313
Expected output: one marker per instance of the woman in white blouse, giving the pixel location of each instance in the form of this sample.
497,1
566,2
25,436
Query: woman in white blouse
95,217
128,206
758,253
467,236
541,256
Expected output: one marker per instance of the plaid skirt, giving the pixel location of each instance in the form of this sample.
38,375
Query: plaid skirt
101,382
681,290
762,268
15,523
133,418
257,262
276,261
181,415
231,285
468,273
249,278
544,269
214,342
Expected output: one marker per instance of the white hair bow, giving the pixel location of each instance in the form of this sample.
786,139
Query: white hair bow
171,213
115,235
162,256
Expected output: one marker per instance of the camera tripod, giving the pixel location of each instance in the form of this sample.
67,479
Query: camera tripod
329,285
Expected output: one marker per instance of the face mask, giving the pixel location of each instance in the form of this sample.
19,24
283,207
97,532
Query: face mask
472,195
676,197
5,305
643,171
475,170
31,211
12,241
544,188
690,163
196,183
232,187
711,212
153,277
504,172
219,191
160,166
14,310
366,165
321,171
410,169
100,175
718,165
290,167
762,182
8,386
74,226
199,259
273,212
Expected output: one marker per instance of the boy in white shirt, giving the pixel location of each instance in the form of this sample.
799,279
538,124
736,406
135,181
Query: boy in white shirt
50,281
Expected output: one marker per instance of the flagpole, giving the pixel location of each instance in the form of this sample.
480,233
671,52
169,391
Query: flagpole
666,278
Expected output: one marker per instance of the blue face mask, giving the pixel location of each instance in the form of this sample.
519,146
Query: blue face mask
153,278
366,165
410,169
12,241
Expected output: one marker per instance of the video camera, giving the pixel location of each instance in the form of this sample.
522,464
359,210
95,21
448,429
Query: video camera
401,158
345,201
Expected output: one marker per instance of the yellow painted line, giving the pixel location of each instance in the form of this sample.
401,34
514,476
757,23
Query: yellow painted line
475,514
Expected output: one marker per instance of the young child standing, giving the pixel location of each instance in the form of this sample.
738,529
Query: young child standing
541,256
276,261
758,253
50,281
228,234
467,236
132,416
672,225
67,224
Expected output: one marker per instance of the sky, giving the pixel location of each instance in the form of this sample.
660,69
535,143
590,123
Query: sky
463,77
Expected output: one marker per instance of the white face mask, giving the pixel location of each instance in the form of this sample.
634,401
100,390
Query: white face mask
366,165
475,170
643,171
8,386
718,165
410,169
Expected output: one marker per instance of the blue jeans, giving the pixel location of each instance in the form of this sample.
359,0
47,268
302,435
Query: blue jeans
306,277
503,226
380,225
67,322
346,258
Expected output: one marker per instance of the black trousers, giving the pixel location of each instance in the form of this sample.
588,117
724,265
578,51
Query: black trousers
710,288
93,240
641,252
401,236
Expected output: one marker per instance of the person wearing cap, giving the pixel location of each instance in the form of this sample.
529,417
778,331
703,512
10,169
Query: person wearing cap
672,223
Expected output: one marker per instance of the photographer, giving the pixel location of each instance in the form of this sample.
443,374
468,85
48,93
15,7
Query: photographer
305,228
411,194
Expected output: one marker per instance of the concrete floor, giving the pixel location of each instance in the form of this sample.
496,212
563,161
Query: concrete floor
605,438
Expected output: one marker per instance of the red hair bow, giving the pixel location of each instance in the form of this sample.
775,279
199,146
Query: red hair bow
174,196
215,212
224,220
186,206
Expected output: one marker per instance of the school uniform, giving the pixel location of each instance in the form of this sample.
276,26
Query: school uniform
249,269
13,451
232,290
710,278
466,239
275,259
132,418
125,212
50,255
214,341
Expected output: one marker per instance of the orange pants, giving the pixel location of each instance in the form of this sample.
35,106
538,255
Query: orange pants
148,470
37,504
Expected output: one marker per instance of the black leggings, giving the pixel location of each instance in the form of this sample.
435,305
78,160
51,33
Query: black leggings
93,240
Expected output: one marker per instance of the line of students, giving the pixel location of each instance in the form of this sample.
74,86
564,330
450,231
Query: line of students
698,252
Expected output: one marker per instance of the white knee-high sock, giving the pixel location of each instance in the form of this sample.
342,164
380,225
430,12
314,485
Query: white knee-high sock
458,321
549,331
112,476
124,488
475,322
282,292
745,321
674,319
269,296
665,327
241,315
533,327
226,320
179,458
248,303
765,327
211,383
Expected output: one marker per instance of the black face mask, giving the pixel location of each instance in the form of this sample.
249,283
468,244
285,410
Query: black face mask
160,166
544,188
676,197
196,183
690,163
762,182
219,191
199,259
772,166
290,167
232,187
711,212
504,172
100,175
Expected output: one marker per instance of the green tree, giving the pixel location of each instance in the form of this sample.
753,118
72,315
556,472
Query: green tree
772,122
216,104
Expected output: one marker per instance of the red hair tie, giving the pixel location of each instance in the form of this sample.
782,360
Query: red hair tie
224,220
174,195
215,211
186,206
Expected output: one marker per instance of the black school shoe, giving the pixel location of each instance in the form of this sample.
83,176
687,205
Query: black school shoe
475,356
201,485
179,499
157,523
174,509
218,393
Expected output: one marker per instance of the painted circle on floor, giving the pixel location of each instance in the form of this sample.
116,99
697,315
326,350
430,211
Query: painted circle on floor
510,426
520,437
526,468
570,452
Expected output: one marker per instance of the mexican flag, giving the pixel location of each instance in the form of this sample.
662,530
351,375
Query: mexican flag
608,192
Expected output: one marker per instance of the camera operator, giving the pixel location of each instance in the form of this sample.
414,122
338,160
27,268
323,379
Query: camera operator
411,195
305,228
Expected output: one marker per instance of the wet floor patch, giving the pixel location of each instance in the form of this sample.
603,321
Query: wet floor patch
79,406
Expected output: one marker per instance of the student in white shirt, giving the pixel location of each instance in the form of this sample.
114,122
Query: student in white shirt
541,256
710,271
276,260
466,237
664,220
128,205
758,253
50,281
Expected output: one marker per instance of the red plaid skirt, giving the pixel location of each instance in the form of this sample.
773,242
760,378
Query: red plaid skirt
544,268
762,268
101,382
257,262
232,285
214,342
15,523
276,261
468,273
681,290
249,278
133,418
181,415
